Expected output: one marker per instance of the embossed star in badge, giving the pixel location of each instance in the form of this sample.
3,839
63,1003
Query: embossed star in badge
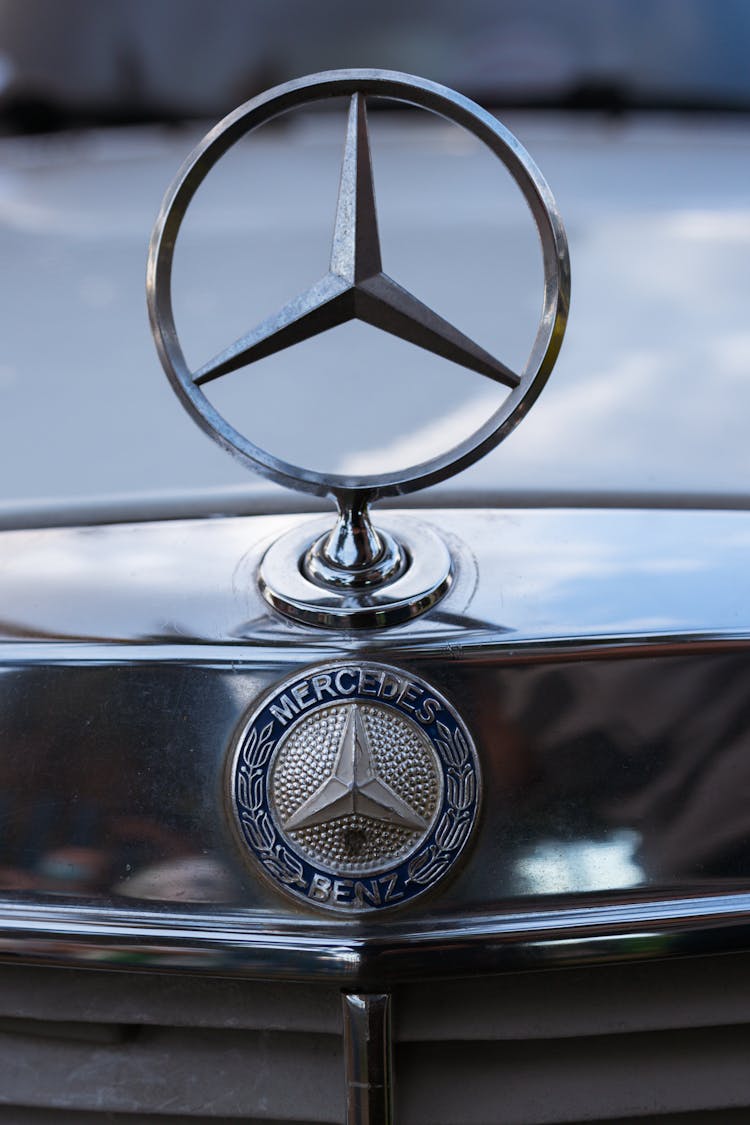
355,785
354,788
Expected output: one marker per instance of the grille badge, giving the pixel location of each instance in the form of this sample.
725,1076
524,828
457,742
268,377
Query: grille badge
354,787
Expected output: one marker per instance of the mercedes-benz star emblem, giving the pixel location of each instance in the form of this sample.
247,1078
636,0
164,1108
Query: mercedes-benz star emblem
354,786
355,286
357,575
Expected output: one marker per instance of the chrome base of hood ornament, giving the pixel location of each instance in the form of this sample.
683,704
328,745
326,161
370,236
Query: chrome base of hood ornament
411,574
354,555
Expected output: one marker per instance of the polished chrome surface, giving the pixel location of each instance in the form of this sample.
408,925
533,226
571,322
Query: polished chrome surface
295,580
219,943
387,562
354,555
368,1059
604,677
355,287
526,580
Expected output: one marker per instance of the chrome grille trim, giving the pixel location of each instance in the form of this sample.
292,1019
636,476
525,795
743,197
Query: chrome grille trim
226,945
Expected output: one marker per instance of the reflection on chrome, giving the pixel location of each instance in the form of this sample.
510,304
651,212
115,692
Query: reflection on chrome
553,867
565,575
190,878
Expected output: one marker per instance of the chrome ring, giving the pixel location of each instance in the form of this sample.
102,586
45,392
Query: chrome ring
429,96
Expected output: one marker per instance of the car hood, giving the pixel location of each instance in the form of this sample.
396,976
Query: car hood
649,400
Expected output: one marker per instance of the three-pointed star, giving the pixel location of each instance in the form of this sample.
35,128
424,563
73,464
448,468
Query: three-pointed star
355,287
354,787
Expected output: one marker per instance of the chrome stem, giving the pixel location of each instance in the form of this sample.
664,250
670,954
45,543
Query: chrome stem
354,555
353,543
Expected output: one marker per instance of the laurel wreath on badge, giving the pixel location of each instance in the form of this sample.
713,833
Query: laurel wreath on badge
455,824
251,779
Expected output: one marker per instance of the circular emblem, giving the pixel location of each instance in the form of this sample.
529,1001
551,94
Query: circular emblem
356,286
355,787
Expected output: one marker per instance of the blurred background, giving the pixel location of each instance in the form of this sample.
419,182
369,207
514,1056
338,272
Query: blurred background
67,62
637,112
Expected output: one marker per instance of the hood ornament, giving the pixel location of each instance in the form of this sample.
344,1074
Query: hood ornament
357,575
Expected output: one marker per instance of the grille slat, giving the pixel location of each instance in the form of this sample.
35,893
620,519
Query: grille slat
22,1115
143,999
271,1076
602,1000
593,1079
